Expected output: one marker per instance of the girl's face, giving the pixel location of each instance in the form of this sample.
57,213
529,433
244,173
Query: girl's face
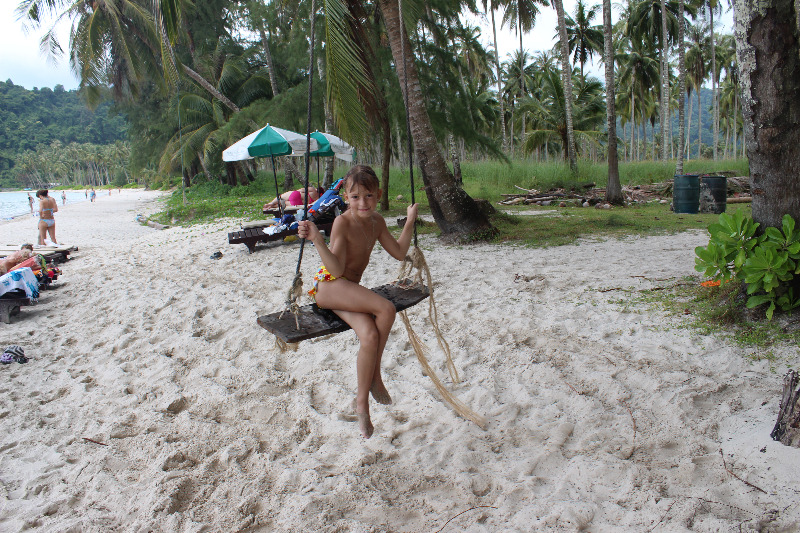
362,201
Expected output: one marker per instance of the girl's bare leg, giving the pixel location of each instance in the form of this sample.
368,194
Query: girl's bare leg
52,231
42,232
371,317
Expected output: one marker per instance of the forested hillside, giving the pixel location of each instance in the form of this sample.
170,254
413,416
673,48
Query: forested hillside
37,118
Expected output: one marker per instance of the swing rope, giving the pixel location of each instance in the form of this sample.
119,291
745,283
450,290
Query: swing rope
296,290
415,262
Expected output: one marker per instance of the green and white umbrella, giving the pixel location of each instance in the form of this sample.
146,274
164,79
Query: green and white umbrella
269,141
329,146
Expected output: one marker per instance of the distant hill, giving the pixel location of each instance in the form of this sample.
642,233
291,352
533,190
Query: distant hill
38,117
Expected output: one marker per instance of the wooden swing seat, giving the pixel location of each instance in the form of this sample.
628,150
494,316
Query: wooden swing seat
316,322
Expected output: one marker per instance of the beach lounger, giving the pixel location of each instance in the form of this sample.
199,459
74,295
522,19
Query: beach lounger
288,210
252,236
58,254
10,306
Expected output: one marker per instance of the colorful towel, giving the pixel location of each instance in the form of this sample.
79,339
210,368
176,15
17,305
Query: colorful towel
22,279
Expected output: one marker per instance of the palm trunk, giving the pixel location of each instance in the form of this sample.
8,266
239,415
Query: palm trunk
454,210
768,57
211,89
688,129
664,82
714,82
681,88
699,123
566,75
613,188
273,80
499,85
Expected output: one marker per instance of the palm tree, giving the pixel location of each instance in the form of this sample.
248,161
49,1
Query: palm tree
697,70
549,112
117,43
681,87
613,187
492,6
520,15
584,38
455,212
566,77
638,74
714,5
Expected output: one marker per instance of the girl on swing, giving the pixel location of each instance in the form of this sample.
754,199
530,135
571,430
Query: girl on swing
336,284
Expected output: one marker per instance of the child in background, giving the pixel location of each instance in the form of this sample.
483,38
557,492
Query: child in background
336,285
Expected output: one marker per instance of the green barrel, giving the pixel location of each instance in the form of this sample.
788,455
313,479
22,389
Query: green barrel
686,193
718,188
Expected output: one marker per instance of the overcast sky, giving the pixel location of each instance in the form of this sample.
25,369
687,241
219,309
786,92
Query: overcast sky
22,62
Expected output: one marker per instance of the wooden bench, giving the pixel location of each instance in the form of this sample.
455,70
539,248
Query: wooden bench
10,306
252,236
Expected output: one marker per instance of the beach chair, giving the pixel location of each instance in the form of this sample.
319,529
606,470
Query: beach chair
10,307
57,254
254,235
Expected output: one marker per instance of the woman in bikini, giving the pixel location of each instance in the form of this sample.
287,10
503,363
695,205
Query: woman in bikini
47,223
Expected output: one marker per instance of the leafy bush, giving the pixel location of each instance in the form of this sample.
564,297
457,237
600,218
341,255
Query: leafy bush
767,263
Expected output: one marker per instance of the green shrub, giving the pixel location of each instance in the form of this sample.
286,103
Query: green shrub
767,263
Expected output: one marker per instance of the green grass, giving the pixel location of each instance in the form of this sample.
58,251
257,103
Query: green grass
720,311
488,180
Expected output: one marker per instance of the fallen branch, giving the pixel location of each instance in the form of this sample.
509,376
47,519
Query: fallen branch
94,441
728,470
462,512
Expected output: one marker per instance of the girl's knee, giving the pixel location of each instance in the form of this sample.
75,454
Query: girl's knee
369,337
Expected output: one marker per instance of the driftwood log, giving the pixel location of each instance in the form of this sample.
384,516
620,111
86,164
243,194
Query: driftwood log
787,428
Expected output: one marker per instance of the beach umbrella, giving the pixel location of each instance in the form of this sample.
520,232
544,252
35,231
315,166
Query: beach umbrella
269,141
329,146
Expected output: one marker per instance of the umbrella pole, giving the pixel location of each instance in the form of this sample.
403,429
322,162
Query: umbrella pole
277,191
318,184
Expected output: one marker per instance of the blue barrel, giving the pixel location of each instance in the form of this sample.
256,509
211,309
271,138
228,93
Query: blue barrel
717,187
686,193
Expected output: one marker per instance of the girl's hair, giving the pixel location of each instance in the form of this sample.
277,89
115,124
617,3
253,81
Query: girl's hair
41,192
361,175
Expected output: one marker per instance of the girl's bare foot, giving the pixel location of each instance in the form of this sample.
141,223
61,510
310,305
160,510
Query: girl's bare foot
365,425
380,393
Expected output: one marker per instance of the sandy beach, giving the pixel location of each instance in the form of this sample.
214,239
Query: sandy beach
153,402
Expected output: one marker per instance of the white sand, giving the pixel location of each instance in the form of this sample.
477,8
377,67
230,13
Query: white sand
603,416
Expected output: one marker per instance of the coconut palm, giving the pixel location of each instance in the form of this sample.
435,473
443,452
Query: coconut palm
613,187
697,68
584,38
548,112
117,43
566,77
455,212
491,6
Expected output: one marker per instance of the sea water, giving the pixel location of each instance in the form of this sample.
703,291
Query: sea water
14,204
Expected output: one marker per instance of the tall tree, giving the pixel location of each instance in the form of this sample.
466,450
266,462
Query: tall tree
521,15
768,54
492,6
455,212
566,77
613,187
681,88
584,38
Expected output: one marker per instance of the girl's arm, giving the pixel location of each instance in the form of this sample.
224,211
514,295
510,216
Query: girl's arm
399,248
334,257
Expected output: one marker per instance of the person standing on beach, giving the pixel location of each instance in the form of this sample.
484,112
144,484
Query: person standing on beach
63,198
86,193
336,285
92,195
30,202
47,223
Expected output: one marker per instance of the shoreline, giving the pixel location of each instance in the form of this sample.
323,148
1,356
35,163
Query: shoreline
153,401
